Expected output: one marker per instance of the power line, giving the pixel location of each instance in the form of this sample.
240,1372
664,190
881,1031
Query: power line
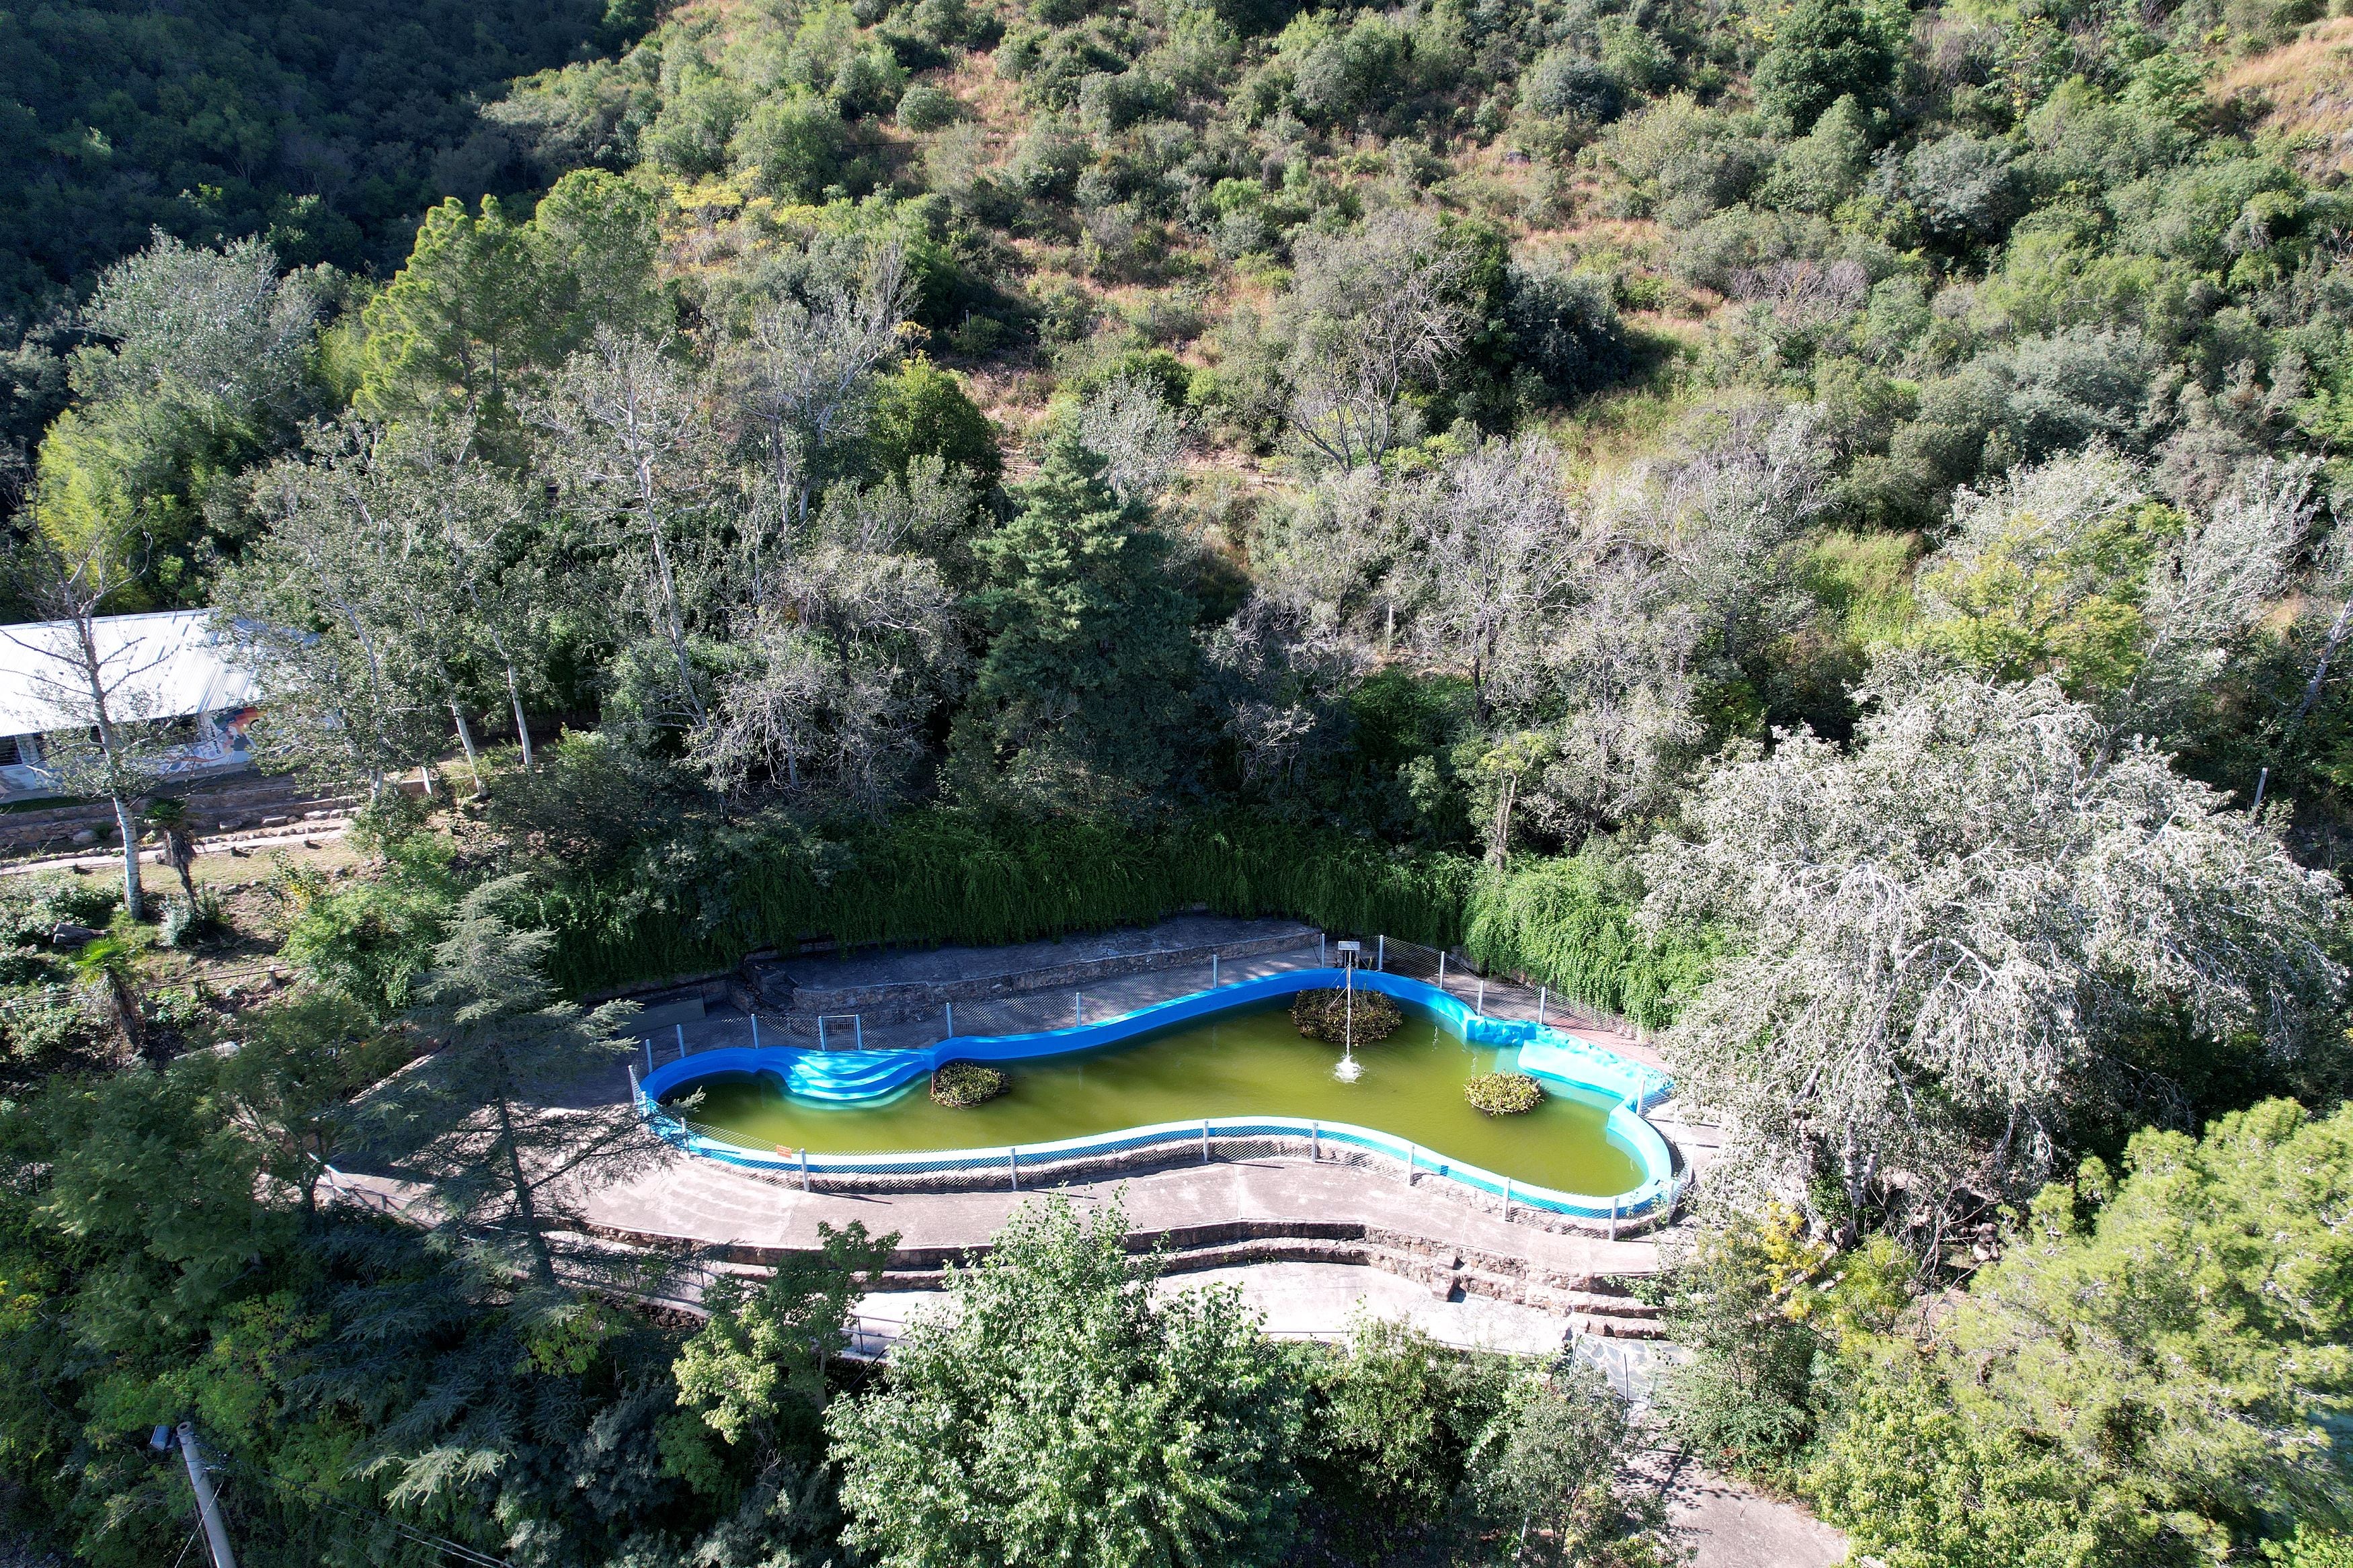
442,1544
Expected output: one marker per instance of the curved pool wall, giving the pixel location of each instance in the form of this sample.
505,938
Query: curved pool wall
849,1077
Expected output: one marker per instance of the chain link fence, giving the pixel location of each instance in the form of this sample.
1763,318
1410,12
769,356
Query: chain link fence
1166,1146
1170,1145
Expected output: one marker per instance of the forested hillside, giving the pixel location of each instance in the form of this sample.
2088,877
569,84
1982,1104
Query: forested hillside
1813,527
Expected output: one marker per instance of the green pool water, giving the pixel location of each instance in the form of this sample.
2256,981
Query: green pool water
1244,1064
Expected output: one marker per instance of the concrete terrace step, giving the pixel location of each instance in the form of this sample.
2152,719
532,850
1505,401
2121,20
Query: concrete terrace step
905,985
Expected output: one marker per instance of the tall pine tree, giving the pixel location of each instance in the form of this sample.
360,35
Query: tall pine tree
1085,689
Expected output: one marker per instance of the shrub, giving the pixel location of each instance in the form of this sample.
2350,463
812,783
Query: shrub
792,146
40,1026
186,924
33,907
960,1084
1566,326
1570,924
1340,1017
1563,83
924,107
1503,1094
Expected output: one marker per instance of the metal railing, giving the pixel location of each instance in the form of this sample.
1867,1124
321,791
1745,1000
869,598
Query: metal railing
1655,1203
1019,1167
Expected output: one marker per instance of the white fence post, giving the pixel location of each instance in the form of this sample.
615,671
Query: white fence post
1613,1219
1442,969
1507,1200
1213,969
804,1167
755,1029
1482,996
1013,1164
1319,951
1315,1142
681,1042
1205,1140
821,1031
858,1025
1409,1165
951,1033
1078,1008
1540,1006
649,1054
1380,953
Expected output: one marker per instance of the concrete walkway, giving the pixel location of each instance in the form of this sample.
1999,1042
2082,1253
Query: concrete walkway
702,1201
1299,1300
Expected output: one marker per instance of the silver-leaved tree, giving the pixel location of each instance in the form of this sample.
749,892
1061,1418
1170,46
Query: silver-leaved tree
1969,932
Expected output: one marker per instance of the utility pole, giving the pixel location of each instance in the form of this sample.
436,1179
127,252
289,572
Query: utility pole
200,1481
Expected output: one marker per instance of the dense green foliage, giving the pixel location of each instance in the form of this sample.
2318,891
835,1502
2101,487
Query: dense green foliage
2153,1372
1346,1015
1503,1094
959,1084
326,127
978,471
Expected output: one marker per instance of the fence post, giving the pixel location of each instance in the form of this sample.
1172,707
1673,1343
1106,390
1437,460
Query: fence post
1507,1200
1013,1164
1442,969
1213,969
804,1167
1409,1165
650,1055
1613,1219
1319,951
1540,1006
1482,996
951,1033
1315,1142
1380,953
858,1025
1205,1140
821,1031
681,1042
756,1028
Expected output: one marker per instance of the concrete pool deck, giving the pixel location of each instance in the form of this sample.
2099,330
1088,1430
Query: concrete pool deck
1227,1214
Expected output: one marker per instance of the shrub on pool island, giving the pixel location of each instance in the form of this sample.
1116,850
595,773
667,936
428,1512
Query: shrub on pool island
959,1084
1325,1015
1503,1094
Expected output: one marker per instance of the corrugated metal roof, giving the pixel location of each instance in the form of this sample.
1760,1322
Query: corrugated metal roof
163,665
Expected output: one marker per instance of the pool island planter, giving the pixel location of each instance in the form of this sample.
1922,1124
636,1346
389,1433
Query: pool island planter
851,1077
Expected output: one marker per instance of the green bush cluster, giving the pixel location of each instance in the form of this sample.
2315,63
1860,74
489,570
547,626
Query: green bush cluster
960,1084
33,907
1340,1017
1503,1094
1568,924
952,876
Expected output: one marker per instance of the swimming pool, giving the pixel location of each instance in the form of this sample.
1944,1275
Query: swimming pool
1221,1065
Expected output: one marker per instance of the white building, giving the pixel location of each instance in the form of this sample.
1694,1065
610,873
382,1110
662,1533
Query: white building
166,668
